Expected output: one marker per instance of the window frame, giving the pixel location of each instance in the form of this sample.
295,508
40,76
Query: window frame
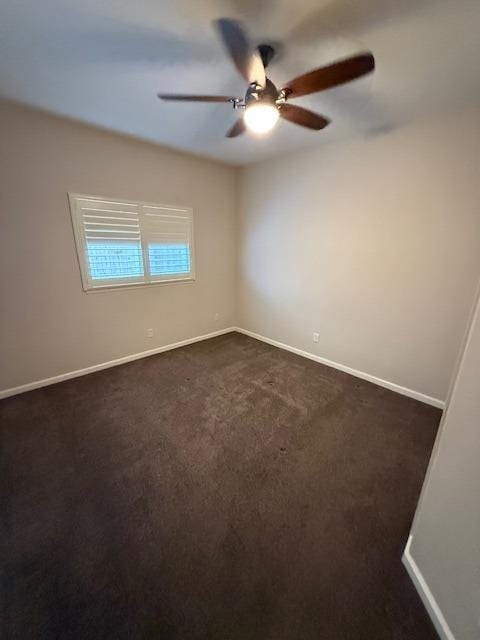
106,285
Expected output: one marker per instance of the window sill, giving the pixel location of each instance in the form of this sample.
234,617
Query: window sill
140,285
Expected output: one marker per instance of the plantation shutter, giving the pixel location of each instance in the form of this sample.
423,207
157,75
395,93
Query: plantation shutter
126,243
168,241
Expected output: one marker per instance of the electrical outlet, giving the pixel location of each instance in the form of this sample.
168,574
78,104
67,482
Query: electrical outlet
316,337
216,316
150,333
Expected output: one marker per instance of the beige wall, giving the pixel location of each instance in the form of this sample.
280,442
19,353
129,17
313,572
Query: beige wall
446,531
48,325
372,243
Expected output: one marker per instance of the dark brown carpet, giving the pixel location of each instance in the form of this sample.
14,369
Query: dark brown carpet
227,490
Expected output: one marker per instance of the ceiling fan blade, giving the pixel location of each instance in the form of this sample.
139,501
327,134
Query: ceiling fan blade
331,75
193,98
303,117
237,129
247,59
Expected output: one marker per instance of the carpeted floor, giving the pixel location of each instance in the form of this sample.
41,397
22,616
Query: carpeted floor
226,490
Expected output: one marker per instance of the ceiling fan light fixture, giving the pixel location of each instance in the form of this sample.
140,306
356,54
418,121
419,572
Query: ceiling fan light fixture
261,118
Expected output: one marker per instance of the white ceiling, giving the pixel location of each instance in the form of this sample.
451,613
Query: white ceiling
103,61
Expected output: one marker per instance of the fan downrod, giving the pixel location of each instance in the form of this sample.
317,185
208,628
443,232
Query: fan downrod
267,53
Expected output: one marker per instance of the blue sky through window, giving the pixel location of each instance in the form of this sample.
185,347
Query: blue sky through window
169,259
110,260
115,260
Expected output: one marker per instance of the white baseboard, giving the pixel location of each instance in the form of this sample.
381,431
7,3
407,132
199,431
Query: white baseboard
426,595
5,393
435,402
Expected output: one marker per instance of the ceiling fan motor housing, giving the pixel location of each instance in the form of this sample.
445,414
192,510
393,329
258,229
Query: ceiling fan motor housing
265,95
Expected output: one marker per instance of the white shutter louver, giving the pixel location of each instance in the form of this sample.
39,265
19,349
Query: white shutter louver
128,243
167,234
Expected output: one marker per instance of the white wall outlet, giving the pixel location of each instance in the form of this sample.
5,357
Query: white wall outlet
150,333
316,337
216,316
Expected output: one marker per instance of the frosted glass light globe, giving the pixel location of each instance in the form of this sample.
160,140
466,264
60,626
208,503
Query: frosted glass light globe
261,118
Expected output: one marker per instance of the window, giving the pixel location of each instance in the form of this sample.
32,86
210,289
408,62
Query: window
121,243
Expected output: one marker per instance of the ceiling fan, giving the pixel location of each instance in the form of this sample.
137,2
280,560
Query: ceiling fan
264,103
